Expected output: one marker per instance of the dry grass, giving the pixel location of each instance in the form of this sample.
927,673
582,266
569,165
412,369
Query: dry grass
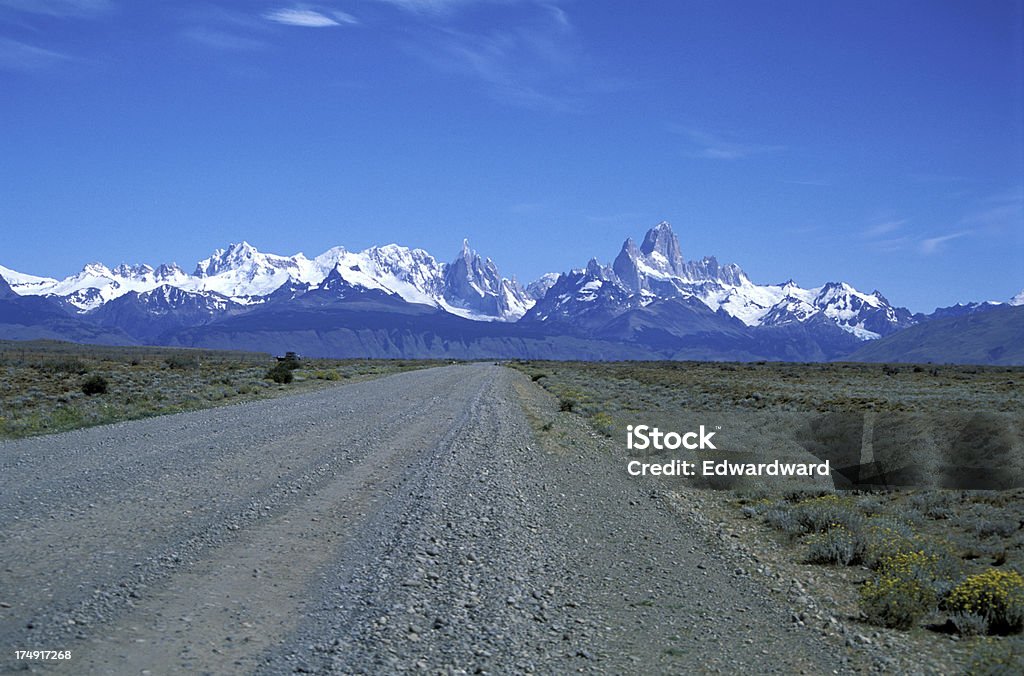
41,382
945,482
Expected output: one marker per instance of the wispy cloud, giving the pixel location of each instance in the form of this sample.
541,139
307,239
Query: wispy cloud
438,6
532,63
714,147
309,18
932,245
21,56
59,8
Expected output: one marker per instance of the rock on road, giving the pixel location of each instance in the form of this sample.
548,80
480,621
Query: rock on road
408,523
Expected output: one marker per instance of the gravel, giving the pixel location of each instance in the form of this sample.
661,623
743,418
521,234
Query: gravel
411,523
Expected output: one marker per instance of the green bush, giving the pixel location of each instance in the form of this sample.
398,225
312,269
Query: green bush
280,374
94,385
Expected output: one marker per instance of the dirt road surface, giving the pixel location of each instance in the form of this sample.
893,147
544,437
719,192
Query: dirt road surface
410,523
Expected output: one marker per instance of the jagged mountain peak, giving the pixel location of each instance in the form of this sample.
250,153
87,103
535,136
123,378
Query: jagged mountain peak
661,250
134,271
96,269
236,255
627,266
244,256
168,271
470,285
539,287
1018,299
708,269
657,266
397,258
834,290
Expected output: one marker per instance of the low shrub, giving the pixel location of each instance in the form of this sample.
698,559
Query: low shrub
997,657
94,385
969,624
181,362
64,365
935,504
603,423
280,374
996,595
902,593
821,514
328,375
784,519
816,515
885,537
837,545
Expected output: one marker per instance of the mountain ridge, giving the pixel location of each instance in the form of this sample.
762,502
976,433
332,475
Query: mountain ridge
650,302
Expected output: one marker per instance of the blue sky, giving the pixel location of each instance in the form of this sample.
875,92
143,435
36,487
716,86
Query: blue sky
878,143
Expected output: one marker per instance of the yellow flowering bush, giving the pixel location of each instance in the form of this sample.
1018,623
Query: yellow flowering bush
884,538
997,595
902,593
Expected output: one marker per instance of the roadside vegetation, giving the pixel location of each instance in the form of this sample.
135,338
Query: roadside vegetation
48,386
634,387
935,558
948,561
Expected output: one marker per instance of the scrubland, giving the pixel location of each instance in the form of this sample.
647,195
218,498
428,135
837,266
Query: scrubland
920,531
50,386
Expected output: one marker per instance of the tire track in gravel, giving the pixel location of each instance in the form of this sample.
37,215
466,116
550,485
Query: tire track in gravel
251,593
412,523
98,523
459,572
509,555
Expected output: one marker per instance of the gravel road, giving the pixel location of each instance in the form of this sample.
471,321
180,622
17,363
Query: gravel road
410,523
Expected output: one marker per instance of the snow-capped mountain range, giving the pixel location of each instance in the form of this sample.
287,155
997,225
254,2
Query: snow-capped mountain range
656,270
649,296
469,287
